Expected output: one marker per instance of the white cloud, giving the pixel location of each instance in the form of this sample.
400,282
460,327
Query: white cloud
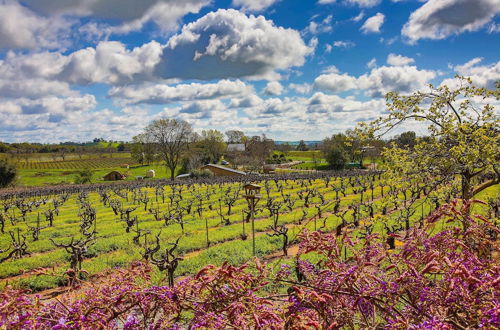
364,3
330,69
403,79
254,5
110,62
378,82
325,2
372,63
333,105
33,88
320,27
301,88
335,83
438,19
246,102
481,75
373,24
343,44
358,17
273,88
164,94
399,60
132,14
229,44
22,28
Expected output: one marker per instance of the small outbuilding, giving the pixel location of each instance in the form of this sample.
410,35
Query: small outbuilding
218,170
113,176
150,174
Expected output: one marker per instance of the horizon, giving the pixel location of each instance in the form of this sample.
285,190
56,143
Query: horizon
293,70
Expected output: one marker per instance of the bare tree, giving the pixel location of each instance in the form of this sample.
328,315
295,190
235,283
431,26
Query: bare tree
171,137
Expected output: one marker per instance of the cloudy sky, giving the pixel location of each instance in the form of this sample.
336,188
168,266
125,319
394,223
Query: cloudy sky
292,69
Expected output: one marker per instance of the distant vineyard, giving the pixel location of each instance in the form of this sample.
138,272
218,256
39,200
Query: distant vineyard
77,164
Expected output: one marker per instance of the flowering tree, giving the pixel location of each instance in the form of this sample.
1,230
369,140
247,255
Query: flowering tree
464,137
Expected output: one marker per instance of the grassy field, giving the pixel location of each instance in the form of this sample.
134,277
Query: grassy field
40,169
115,247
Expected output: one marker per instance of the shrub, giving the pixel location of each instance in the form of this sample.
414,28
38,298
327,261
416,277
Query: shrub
201,174
336,157
84,176
7,173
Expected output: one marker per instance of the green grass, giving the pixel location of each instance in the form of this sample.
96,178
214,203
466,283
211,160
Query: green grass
37,177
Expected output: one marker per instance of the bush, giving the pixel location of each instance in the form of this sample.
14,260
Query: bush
201,174
336,157
8,173
84,176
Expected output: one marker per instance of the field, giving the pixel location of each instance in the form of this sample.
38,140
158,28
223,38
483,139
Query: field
208,219
40,169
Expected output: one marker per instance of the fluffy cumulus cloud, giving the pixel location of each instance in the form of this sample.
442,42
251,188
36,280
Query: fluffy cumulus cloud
164,94
403,79
438,19
131,14
22,28
301,88
482,75
399,60
373,24
338,108
273,88
230,44
109,62
379,81
335,83
254,5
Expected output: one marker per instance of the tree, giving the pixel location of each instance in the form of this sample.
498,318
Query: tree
234,136
302,146
171,138
406,140
259,148
464,141
336,157
142,149
210,146
7,173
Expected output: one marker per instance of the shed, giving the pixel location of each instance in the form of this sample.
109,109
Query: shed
113,176
218,170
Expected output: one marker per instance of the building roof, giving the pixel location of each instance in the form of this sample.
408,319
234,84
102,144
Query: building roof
235,147
224,168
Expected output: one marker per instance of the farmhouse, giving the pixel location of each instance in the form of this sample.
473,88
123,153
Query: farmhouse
113,176
218,170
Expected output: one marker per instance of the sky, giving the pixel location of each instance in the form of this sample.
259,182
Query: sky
74,70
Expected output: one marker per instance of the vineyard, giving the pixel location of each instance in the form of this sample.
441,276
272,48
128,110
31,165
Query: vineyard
58,237
92,163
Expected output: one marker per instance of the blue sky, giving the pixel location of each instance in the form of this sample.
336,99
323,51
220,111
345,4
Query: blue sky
290,69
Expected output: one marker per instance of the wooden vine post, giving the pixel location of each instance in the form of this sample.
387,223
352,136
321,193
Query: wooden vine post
252,196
